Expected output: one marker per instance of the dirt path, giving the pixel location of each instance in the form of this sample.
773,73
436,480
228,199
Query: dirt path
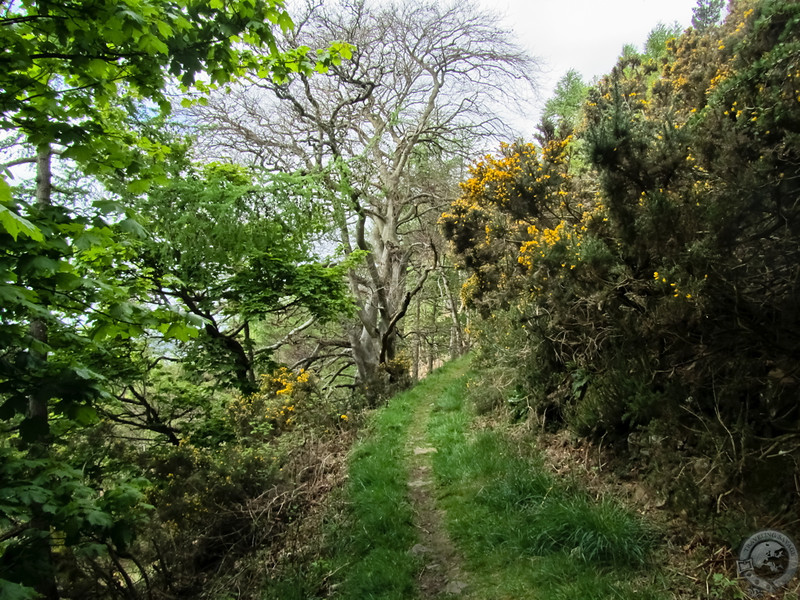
442,575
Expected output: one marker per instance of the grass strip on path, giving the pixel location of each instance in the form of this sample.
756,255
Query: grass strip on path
522,532
373,552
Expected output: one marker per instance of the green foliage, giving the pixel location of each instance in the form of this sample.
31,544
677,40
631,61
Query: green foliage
15,224
232,249
208,220
261,286
92,518
16,591
64,64
301,584
224,496
72,78
723,587
707,13
656,45
562,112
667,272
82,294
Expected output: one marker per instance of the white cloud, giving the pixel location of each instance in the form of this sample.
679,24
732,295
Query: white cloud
586,35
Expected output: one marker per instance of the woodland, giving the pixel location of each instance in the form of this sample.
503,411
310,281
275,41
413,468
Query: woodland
232,230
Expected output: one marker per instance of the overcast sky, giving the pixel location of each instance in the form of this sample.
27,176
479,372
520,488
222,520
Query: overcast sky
587,35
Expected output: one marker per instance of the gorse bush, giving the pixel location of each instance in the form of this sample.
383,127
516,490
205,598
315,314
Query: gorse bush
217,492
282,399
645,265
222,496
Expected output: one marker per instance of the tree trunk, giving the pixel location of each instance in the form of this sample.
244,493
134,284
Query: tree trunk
242,367
456,331
37,404
432,339
374,339
417,357
37,412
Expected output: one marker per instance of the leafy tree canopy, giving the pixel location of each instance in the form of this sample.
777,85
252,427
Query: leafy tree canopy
71,74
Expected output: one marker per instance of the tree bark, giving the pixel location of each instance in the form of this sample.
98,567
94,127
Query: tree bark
456,331
432,339
38,408
417,357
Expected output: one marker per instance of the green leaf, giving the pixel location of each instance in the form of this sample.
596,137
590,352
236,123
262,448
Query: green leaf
31,494
50,508
216,4
151,44
159,45
40,265
139,186
5,191
164,29
68,282
344,50
14,294
181,332
79,152
196,320
97,67
14,591
133,227
92,238
104,331
15,225
285,22
272,15
83,415
109,206
99,519
182,23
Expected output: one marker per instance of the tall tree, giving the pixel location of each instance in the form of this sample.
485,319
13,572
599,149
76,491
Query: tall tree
707,13
233,250
420,89
66,282
656,45
562,112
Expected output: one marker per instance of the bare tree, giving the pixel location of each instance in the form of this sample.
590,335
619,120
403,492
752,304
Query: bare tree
388,131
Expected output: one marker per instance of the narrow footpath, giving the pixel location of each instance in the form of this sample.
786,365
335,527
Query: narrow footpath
443,503
442,572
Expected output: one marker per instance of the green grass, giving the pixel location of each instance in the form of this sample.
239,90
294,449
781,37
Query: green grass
524,533
372,546
376,554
